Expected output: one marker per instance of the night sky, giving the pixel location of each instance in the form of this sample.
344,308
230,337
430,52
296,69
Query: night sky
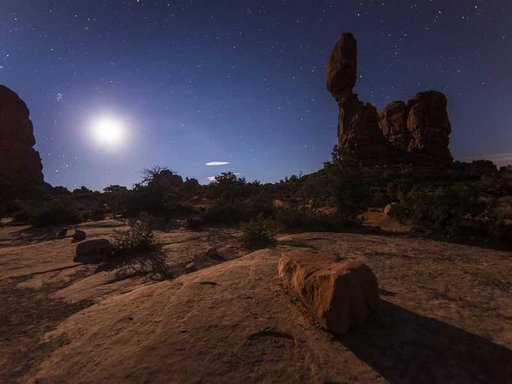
193,82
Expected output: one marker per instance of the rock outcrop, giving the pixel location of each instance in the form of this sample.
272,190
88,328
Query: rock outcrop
416,132
20,163
340,294
429,127
393,123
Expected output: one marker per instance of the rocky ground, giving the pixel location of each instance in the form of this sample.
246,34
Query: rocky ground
445,315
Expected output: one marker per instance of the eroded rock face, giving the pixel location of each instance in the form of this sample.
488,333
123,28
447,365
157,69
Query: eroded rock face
358,123
340,294
415,133
393,123
20,163
358,129
429,127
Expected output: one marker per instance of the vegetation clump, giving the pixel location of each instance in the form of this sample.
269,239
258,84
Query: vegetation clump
138,238
259,232
54,212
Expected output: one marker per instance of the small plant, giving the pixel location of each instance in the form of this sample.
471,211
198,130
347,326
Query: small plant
258,232
138,238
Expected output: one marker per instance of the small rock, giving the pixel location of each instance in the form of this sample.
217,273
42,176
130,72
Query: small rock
214,254
62,233
391,210
79,235
194,223
190,267
339,294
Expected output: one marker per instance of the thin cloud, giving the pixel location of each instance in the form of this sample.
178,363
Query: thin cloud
217,163
498,158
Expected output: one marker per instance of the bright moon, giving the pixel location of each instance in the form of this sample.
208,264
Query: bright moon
108,131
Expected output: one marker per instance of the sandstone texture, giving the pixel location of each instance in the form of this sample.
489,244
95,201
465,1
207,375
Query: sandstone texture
393,122
340,294
416,132
429,127
232,321
20,163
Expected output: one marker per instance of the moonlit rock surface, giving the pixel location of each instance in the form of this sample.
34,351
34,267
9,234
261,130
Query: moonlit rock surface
340,294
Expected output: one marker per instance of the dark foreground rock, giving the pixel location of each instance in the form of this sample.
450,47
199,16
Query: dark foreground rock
340,294
93,251
20,163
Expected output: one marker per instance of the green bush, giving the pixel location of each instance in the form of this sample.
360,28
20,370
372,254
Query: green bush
306,219
54,212
138,238
240,209
451,211
259,232
350,192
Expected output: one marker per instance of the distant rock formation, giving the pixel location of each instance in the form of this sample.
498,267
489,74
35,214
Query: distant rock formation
20,163
415,133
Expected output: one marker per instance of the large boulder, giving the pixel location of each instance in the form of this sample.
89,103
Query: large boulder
340,294
342,66
20,163
93,251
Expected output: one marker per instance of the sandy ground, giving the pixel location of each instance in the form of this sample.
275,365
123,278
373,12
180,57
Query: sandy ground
445,316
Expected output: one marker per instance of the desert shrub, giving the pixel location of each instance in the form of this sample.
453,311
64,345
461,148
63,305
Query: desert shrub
96,214
153,199
240,209
306,219
349,190
194,223
448,211
259,232
228,187
54,212
138,238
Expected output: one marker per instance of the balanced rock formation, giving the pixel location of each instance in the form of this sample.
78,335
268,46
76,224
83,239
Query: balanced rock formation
358,123
20,163
415,133
340,294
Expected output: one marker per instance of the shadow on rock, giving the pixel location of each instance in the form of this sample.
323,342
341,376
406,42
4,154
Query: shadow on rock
151,265
405,347
34,235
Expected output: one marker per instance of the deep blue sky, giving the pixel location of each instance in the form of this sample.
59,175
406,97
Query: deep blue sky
243,81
